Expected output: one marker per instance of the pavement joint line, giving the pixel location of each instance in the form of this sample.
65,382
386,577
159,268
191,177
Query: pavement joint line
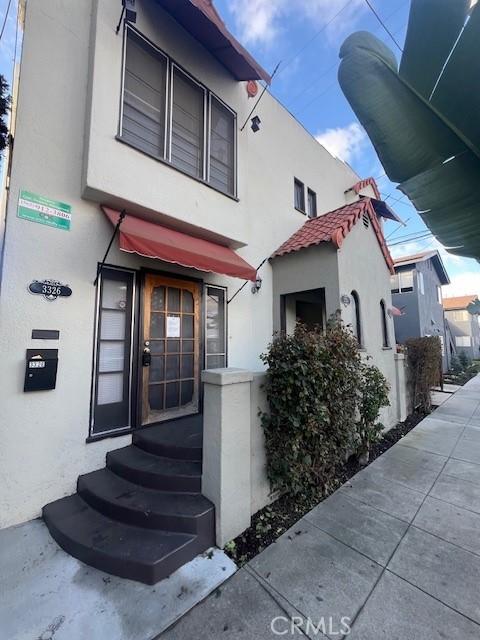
454,544
275,594
401,540
330,535
377,508
434,452
454,504
445,604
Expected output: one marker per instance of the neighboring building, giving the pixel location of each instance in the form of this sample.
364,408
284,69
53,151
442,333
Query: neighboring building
417,293
149,123
463,314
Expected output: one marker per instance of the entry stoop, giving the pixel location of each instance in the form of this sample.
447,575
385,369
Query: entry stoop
143,516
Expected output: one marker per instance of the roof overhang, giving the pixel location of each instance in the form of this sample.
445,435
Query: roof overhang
429,255
201,20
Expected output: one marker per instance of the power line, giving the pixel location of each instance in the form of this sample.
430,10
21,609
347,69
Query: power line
314,37
384,25
5,19
417,238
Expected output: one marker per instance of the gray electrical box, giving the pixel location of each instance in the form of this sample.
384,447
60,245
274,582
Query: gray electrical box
41,369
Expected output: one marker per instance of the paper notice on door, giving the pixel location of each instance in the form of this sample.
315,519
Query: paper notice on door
173,326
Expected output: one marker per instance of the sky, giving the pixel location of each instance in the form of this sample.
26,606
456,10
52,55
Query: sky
306,35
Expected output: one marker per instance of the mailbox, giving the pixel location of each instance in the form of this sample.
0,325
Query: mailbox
41,369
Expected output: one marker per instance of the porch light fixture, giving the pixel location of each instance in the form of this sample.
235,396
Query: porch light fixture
345,300
257,285
256,124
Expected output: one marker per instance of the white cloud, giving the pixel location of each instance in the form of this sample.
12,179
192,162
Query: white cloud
343,142
261,21
463,284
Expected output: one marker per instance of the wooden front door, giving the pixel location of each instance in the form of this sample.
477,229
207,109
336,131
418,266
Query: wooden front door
171,348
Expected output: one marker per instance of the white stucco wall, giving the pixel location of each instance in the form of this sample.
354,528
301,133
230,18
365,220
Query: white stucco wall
362,267
65,149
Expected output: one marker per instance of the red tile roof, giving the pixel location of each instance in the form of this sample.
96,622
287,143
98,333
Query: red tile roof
460,302
334,227
368,182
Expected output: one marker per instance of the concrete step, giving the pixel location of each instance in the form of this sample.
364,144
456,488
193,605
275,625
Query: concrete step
122,500
123,550
180,439
154,471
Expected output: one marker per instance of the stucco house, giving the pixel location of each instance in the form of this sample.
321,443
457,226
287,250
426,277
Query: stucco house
417,293
154,238
463,314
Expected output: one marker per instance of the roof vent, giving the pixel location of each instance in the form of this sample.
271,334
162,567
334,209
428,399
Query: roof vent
366,220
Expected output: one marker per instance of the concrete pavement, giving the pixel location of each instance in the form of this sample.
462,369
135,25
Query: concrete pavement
394,553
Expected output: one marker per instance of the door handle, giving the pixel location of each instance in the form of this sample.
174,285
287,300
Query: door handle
146,357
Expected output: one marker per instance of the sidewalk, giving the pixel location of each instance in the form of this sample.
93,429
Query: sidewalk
395,551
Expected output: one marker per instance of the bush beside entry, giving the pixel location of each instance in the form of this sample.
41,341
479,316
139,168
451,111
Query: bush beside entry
324,403
424,357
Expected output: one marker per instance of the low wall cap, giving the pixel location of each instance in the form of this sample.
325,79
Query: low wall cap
229,375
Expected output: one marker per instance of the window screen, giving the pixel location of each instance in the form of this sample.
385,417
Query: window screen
312,204
144,96
188,105
113,352
215,328
222,147
299,195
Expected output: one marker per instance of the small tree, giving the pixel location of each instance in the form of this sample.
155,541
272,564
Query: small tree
5,102
464,360
374,390
424,356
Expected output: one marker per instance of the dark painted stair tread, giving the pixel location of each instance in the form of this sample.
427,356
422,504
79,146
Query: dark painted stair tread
177,438
110,487
154,471
124,550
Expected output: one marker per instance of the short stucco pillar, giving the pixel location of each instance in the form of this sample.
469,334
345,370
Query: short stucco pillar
401,387
227,449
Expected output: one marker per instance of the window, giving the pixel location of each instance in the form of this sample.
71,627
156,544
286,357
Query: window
188,104
356,325
439,294
463,341
312,204
299,195
200,139
460,316
144,96
421,286
402,282
383,318
222,147
215,328
111,388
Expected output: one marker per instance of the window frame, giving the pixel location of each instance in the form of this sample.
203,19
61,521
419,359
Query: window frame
299,183
311,192
398,278
385,332
206,287
208,94
131,274
357,318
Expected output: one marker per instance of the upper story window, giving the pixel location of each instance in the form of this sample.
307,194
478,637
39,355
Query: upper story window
312,203
402,282
460,315
421,284
172,117
299,195
439,294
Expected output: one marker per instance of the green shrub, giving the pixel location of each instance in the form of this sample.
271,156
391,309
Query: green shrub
424,357
374,390
316,388
464,360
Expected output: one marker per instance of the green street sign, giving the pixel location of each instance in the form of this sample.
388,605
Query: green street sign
44,211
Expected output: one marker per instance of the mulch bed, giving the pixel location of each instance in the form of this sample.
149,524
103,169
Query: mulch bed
270,522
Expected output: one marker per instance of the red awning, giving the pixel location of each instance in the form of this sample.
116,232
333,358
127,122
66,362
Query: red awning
155,241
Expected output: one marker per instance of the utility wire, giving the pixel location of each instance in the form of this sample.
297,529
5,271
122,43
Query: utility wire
5,19
408,240
384,25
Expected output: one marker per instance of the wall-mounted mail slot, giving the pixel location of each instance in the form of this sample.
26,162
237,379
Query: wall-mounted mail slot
41,369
